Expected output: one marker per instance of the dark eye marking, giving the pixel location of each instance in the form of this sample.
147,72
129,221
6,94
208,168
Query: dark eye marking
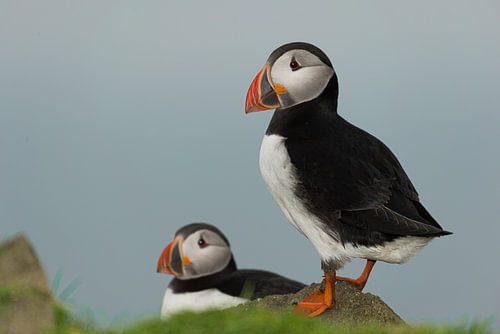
294,66
202,243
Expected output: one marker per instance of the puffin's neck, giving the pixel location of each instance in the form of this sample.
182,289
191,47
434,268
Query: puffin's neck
305,118
204,282
329,97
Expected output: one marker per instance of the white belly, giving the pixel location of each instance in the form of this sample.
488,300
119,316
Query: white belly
197,301
279,175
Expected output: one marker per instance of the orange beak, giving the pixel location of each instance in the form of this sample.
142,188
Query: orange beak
262,94
163,265
171,259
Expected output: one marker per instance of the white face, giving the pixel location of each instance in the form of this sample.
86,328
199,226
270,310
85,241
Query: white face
208,252
303,75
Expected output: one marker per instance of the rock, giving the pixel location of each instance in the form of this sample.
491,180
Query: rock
19,264
353,306
25,299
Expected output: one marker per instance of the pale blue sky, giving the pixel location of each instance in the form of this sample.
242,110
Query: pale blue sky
122,120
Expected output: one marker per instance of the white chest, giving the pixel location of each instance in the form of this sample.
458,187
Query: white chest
279,175
277,172
197,301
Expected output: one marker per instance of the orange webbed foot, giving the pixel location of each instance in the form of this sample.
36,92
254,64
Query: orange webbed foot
313,305
318,302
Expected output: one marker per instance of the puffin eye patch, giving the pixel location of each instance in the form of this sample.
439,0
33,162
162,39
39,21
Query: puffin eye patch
294,65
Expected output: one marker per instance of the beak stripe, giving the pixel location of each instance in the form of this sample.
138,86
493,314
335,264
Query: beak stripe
261,95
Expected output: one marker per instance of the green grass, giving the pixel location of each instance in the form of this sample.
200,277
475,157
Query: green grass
253,321
11,293
64,294
226,322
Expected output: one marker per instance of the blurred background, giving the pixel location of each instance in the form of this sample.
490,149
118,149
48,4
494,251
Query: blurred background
121,121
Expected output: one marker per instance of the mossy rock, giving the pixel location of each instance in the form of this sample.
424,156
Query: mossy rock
353,306
25,310
26,305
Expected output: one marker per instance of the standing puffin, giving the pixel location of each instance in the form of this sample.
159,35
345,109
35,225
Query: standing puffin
341,187
206,276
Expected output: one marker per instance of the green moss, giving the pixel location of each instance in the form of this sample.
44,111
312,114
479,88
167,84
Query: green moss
66,322
257,321
231,321
11,293
62,317
261,321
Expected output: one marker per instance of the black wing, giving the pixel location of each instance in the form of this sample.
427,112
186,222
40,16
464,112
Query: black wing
254,284
349,174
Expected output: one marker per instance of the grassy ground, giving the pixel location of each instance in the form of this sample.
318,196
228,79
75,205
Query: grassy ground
253,321
229,321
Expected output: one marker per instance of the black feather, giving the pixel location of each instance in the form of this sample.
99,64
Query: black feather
347,177
247,283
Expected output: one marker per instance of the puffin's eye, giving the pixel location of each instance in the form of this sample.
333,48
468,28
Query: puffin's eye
202,243
294,65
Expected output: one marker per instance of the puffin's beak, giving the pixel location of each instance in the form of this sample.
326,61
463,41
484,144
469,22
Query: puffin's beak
171,259
262,94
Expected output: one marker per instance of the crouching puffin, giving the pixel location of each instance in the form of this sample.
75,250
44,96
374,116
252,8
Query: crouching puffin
341,187
206,275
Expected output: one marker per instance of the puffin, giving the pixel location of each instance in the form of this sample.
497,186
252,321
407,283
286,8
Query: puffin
206,275
338,185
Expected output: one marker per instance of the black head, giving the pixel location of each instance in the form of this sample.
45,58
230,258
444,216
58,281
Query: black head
299,46
189,229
